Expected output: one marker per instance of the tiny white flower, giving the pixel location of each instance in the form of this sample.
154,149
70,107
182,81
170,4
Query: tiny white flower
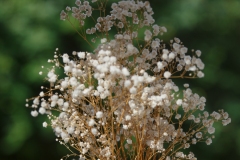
160,65
125,72
81,55
67,69
133,90
194,141
208,141
129,141
54,98
103,40
165,134
176,47
155,44
225,115
183,50
125,127
192,68
65,105
168,158
148,35
91,122
200,74
127,117
42,110
65,58
64,84
70,130
198,53
34,113
99,114
171,55
127,83
167,74
187,59
199,134
94,131
41,94
45,124
178,116
211,130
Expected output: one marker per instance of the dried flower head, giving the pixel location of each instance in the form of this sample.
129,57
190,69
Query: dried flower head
120,101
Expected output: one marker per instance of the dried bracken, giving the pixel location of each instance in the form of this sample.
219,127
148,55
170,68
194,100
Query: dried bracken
120,102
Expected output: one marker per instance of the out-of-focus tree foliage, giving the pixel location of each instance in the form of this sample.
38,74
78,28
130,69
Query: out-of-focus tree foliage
30,30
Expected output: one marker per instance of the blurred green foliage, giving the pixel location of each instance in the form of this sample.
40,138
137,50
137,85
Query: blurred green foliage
30,30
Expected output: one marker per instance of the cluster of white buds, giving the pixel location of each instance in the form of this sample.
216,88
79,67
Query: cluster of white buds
120,102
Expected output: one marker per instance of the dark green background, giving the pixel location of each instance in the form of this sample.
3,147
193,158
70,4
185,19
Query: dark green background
30,30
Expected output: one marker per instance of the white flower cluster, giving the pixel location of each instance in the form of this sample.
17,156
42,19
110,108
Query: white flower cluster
120,101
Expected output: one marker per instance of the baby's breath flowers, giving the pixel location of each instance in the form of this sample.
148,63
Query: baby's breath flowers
119,101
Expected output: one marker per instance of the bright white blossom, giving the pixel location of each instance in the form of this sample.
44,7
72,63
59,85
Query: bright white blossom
99,114
81,55
34,113
167,74
45,124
